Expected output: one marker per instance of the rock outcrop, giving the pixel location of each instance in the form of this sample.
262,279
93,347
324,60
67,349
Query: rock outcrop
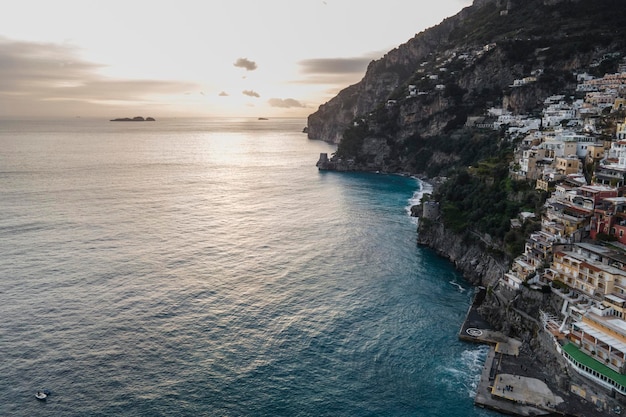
471,257
514,313
134,119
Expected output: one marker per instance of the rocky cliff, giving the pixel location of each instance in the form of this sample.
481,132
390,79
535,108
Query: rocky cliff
429,86
472,257
514,313
482,264
409,114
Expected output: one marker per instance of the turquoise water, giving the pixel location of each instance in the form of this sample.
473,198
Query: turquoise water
207,268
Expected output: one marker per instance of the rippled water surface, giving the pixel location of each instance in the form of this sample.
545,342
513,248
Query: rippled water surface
206,268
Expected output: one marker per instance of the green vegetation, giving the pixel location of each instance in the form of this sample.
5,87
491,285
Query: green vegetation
352,140
535,20
603,237
546,289
425,133
484,199
443,155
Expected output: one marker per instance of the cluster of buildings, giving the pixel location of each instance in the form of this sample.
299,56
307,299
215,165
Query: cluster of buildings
433,72
580,251
561,115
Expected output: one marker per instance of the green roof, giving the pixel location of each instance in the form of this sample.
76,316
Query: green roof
584,359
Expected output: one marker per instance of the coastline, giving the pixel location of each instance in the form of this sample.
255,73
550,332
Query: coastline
498,313
519,377
514,381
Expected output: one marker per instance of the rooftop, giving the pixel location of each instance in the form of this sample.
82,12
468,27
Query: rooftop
573,351
600,335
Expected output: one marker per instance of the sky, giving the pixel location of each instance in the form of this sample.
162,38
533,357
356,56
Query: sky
272,58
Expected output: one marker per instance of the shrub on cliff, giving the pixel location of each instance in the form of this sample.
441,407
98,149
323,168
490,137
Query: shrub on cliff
461,149
352,141
454,218
484,201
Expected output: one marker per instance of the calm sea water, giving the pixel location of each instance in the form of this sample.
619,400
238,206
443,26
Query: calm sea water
206,268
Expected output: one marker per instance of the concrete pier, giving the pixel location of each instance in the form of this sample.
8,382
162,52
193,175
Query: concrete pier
511,383
492,384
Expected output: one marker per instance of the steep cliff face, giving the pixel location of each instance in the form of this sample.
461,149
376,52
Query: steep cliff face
381,79
408,114
409,110
428,86
334,117
514,313
471,257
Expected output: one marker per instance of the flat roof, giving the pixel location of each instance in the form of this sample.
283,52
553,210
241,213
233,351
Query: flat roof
593,248
614,298
572,350
615,199
613,254
606,338
619,323
598,188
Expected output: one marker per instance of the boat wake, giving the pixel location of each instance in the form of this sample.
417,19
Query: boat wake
459,286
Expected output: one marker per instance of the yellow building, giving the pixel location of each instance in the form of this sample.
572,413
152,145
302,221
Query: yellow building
619,104
594,153
582,274
620,133
602,338
568,165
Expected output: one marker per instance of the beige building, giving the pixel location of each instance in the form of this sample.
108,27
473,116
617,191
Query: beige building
595,153
601,337
584,275
568,165
592,333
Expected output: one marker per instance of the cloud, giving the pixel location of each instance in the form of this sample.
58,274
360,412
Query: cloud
24,64
40,73
335,65
284,103
335,71
250,93
246,64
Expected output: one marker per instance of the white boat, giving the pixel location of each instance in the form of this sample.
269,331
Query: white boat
40,395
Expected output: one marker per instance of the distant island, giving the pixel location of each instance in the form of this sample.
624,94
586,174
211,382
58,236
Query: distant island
134,119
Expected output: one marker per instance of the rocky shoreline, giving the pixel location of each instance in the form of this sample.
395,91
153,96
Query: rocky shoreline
508,315
509,322
519,379
395,120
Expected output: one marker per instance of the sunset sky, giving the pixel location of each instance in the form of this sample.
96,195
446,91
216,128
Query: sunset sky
68,58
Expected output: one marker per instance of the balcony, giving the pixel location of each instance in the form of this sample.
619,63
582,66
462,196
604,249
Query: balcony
607,350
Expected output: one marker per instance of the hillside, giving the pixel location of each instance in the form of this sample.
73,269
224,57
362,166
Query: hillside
408,111
425,109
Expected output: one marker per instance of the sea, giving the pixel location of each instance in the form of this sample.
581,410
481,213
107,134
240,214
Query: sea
205,267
